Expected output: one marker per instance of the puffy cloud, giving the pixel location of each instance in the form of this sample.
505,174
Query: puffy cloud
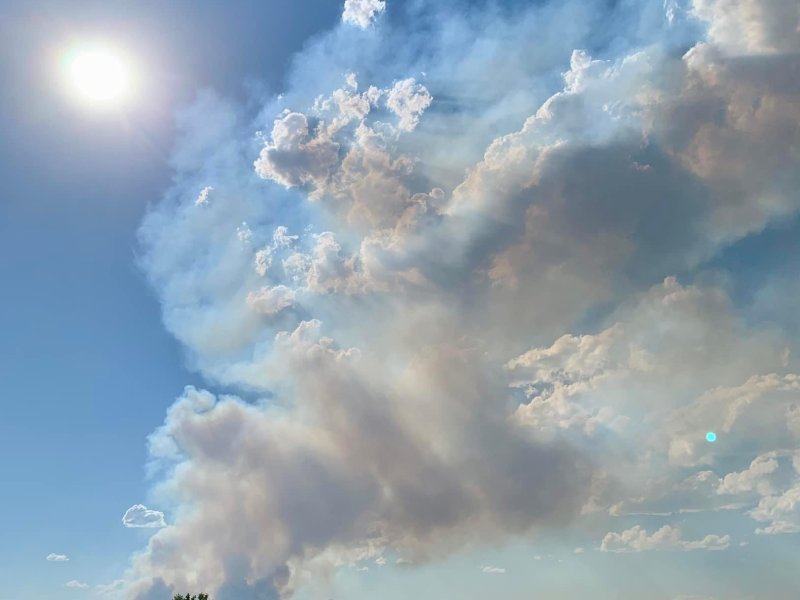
362,12
329,270
350,449
577,382
271,300
348,161
527,180
53,557
474,329
202,197
782,512
642,393
751,26
77,585
280,241
408,100
755,477
139,515
637,539
297,155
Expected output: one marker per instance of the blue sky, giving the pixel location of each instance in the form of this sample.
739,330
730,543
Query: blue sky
359,299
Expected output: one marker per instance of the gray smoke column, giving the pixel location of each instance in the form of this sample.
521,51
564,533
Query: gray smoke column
385,269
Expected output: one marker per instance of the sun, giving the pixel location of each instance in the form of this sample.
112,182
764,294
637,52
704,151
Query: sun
98,75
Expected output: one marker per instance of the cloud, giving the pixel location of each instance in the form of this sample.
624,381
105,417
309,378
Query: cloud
781,511
751,27
202,197
637,539
139,515
362,13
296,155
461,314
577,383
270,301
348,159
53,557
599,386
322,472
493,570
75,584
408,100
755,477
110,589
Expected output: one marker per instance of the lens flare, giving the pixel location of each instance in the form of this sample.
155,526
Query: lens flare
711,437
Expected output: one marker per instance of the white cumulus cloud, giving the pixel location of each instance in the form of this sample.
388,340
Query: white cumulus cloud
781,512
636,539
408,100
362,13
139,515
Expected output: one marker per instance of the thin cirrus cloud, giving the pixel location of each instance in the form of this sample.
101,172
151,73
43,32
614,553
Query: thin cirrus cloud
53,557
459,285
139,516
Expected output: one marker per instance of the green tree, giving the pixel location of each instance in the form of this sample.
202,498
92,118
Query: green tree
190,597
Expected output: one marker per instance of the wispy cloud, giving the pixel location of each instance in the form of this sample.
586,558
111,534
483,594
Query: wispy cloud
53,557
110,589
75,584
493,570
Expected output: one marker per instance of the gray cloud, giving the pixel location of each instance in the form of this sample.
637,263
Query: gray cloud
751,27
483,334
295,156
782,512
385,490
755,477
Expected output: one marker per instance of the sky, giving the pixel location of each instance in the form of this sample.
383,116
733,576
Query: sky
364,299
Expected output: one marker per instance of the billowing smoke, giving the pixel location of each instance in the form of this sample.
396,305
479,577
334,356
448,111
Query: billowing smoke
440,275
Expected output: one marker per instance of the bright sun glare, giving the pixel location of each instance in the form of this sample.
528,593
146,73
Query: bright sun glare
98,75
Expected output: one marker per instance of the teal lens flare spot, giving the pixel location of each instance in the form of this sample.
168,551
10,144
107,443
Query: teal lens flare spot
711,437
